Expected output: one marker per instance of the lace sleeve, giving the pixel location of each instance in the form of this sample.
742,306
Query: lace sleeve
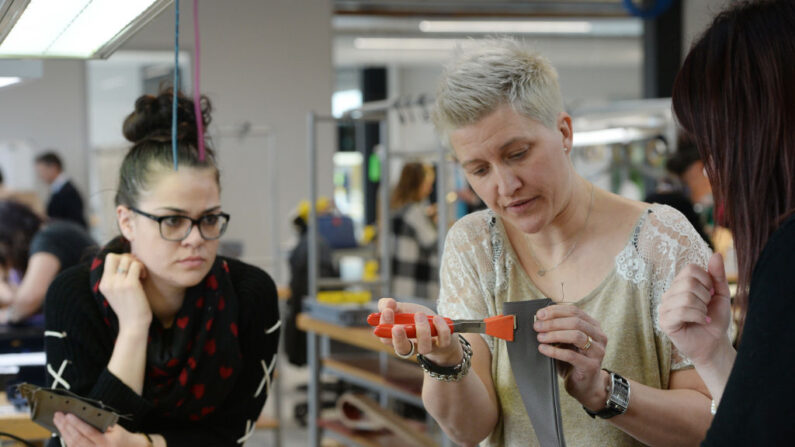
465,260
668,243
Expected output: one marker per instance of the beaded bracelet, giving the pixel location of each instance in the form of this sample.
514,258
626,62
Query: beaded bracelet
448,373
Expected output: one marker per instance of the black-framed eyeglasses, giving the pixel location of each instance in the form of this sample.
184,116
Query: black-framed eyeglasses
177,228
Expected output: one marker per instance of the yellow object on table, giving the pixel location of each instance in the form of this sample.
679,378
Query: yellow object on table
370,270
368,234
344,296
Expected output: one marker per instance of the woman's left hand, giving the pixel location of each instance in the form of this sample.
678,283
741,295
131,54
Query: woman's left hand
76,433
576,340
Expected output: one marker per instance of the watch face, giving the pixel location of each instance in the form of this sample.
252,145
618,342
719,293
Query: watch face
620,394
621,398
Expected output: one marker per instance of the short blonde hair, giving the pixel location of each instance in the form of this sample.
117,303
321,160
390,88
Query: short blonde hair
490,74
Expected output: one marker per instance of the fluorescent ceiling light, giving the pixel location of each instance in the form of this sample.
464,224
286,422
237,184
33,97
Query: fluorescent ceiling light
6,81
74,28
398,43
605,136
505,26
23,359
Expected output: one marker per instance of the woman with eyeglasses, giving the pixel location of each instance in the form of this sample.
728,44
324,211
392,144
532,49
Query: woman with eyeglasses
179,341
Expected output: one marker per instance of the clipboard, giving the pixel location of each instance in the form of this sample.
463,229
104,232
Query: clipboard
45,402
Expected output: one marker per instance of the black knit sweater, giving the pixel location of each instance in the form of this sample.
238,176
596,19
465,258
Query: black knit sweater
757,404
88,344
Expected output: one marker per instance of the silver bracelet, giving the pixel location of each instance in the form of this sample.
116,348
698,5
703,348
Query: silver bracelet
448,373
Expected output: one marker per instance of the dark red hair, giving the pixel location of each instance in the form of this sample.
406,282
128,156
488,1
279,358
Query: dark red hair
735,97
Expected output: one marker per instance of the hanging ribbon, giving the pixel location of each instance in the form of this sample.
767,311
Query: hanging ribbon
197,109
175,87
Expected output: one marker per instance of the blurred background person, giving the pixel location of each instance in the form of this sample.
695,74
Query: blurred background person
294,338
65,202
415,261
687,189
686,164
32,252
470,199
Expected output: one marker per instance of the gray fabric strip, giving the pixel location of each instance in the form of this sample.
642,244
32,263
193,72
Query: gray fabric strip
535,374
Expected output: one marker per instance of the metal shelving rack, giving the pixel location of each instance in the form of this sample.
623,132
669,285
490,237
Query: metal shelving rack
318,346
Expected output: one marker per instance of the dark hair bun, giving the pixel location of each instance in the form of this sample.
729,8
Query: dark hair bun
152,118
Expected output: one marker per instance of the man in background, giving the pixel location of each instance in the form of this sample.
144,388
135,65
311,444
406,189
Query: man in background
65,202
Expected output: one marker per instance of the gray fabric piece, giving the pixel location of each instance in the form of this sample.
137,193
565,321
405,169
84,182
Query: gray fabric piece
535,374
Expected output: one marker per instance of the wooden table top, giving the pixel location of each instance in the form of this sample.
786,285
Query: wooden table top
362,337
19,423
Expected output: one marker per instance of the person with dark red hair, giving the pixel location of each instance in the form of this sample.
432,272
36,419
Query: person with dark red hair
735,97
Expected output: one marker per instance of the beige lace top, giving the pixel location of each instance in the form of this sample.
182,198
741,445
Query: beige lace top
480,271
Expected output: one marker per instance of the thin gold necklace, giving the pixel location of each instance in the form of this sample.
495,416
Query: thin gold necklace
543,271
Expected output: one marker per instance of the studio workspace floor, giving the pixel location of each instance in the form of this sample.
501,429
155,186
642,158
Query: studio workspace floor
293,434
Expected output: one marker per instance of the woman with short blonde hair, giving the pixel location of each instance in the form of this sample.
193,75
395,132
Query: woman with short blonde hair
604,260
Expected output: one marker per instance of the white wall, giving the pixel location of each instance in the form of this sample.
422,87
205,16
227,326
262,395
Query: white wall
49,113
696,16
267,63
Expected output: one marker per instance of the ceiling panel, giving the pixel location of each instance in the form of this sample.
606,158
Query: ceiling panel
625,53
460,8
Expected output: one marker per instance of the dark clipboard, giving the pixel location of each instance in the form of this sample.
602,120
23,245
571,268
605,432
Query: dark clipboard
45,402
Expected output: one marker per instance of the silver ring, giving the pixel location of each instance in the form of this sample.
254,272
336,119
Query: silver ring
122,271
409,354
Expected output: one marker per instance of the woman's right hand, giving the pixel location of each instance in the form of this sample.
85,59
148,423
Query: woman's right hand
695,312
443,349
76,433
121,285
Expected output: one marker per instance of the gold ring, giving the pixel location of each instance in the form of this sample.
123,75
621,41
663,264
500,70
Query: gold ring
587,345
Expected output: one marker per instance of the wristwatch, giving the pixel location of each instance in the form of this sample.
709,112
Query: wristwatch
617,398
